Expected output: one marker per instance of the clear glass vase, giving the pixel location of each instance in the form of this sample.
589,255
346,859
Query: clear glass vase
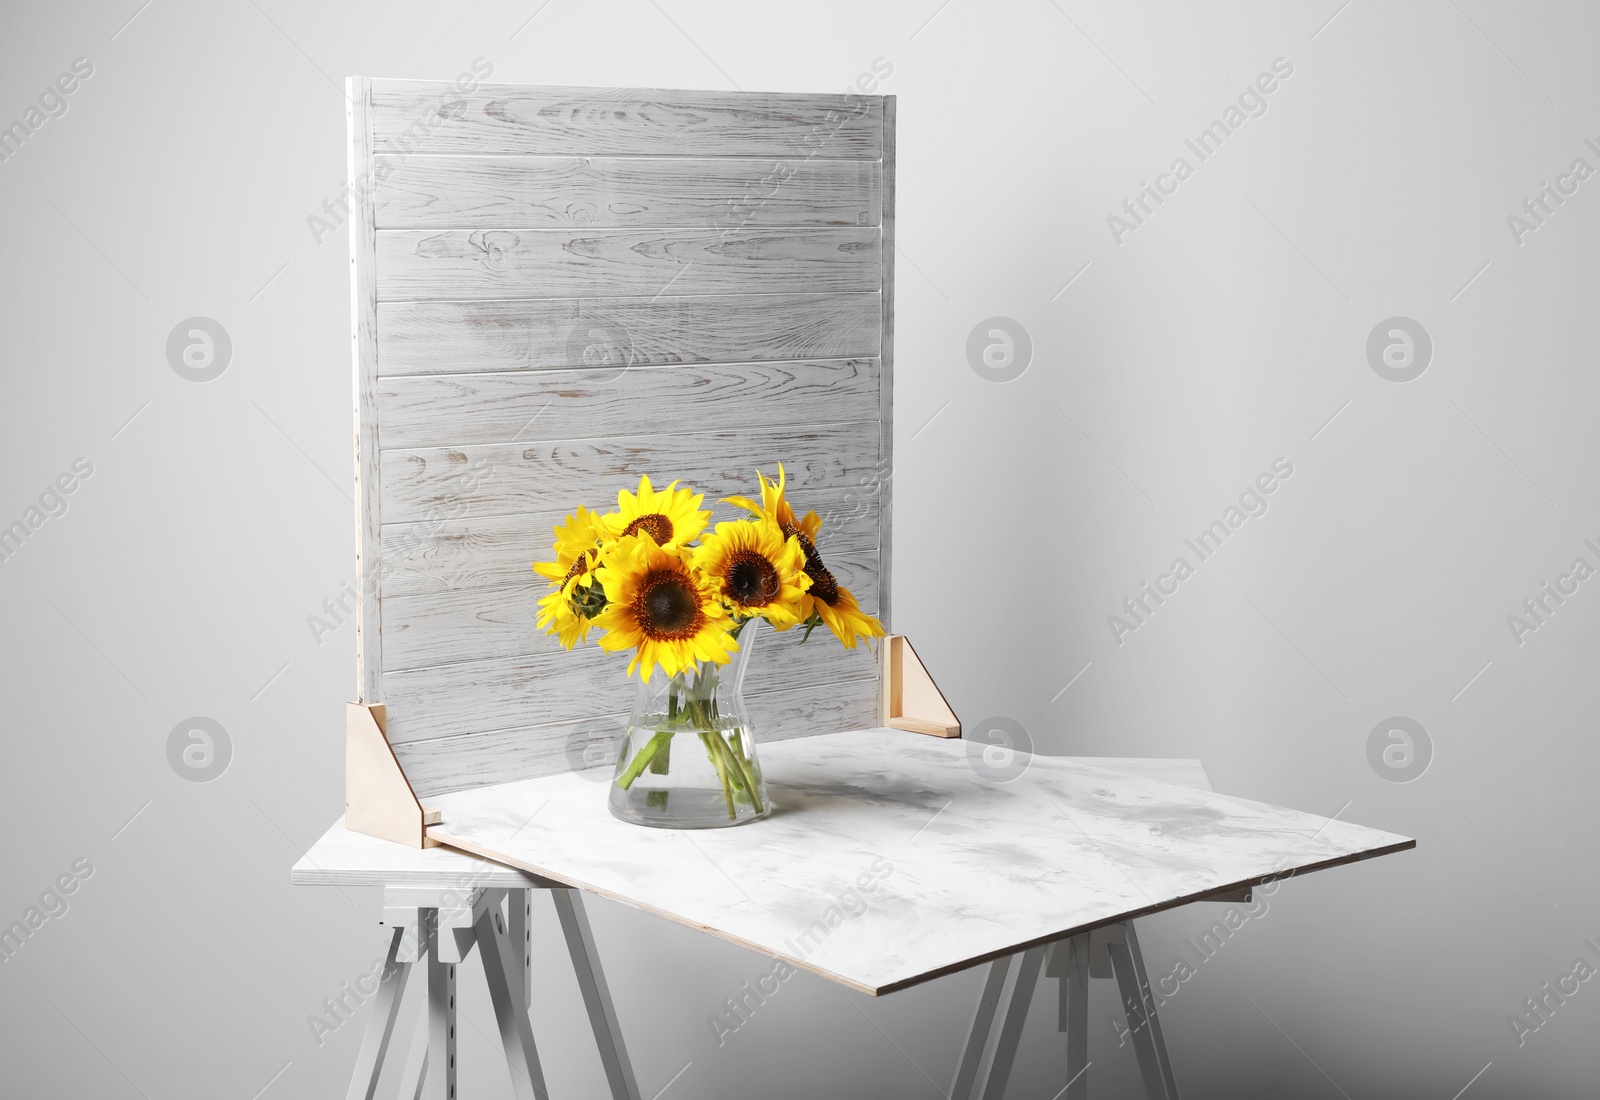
688,760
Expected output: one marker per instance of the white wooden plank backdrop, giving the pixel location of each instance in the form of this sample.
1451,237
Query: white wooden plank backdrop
560,289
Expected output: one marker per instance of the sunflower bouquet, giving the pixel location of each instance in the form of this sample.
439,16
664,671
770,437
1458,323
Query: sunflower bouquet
654,578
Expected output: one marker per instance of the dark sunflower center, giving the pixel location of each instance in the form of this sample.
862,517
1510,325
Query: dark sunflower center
807,547
579,568
753,580
667,606
823,586
656,525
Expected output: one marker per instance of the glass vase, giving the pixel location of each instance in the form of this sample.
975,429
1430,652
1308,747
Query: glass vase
688,760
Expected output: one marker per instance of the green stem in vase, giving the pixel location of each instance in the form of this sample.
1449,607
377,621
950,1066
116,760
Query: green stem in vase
722,772
746,768
661,760
746,776
642,759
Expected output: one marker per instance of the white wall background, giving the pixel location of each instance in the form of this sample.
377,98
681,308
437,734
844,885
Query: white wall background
1167,371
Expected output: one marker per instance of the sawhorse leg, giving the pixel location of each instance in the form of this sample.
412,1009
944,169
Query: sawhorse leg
1134,985
380,1025
438,928
1008,991
1069,965
439,1083
503,965
966,1083
596,994
415,1074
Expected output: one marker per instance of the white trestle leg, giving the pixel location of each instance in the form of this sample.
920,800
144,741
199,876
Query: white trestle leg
436,928
1069,965
1005,1051
1008,991
415,1074
596,994
441,1077
380,1025
519,906
503,967
965,1086
1134,985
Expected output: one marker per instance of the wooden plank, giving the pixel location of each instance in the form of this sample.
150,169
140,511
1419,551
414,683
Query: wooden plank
539,688
817,708
440,765
482,624
884,482
501,479
430,556
461,761
523,244
413,116
458,264
530,334
460,409
722,193
364,353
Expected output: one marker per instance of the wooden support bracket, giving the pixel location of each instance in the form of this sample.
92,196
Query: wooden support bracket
378,799
911,700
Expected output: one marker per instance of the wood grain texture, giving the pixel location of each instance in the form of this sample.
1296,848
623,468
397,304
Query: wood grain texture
456,264
441,628
722,193
505,478
551,686
425,557
453,337
415,116
885,481
364,353
464,761
531,406
949,868
568,288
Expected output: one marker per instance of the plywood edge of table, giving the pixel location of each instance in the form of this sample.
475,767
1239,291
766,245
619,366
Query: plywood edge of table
939,972
344,857
1190,776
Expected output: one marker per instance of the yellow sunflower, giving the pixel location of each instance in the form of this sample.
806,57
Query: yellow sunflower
759,571
826,601
672,516
777,508
657,605
575,547
577,550
837,609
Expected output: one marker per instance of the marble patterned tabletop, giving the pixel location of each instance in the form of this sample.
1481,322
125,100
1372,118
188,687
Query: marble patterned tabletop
890,858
